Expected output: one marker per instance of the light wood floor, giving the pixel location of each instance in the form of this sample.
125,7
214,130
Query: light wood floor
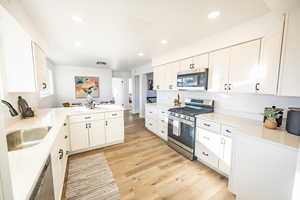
145,168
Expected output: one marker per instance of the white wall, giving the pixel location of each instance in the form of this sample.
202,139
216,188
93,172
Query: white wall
65,82
243,105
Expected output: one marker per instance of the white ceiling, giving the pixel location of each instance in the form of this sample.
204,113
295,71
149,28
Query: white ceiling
116,30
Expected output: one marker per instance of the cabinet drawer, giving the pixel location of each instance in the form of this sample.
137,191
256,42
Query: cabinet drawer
83,118
209,125
115,114
150,111
205,154
227,130
210,140
151,124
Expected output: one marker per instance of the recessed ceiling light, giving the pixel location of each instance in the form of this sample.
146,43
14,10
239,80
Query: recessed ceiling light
164,42
77,19
77,44
213,14
140,54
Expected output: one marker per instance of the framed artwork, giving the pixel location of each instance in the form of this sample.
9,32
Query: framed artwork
86,85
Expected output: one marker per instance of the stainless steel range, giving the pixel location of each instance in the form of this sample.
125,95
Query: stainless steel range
182,125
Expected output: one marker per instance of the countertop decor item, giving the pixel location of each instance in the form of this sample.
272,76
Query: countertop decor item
24,108
271,115
177,101
293,121
280,113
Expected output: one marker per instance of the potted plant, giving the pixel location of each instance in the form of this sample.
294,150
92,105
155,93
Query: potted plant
271,115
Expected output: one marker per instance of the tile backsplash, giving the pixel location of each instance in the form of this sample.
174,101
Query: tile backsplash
242,105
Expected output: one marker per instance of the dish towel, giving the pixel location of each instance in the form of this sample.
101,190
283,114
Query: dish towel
176,128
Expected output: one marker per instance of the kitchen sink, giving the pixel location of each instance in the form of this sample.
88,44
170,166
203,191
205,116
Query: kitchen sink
22,139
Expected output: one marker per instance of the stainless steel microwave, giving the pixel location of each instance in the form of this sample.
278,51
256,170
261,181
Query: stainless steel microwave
196,80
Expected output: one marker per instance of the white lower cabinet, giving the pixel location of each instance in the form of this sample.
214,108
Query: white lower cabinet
59,158
97,133
79,136
96,130
213,145
156,120
114,130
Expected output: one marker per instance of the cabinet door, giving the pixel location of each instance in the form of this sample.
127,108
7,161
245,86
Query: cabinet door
16,52
244,67
56,169
97,133
160,82
201,61
114,130
186,65
269,68
219,70
225,155
171,75
79,136
289,78
40,62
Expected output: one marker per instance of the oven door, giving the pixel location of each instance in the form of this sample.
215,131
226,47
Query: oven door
196,81
182,133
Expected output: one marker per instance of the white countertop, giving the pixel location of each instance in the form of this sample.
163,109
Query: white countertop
256,129
27,164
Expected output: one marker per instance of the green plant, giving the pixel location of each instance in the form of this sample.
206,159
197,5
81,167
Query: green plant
272,114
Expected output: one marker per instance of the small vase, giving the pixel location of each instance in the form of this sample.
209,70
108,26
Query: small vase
270,124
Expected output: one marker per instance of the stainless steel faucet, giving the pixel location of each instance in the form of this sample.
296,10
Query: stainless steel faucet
12,110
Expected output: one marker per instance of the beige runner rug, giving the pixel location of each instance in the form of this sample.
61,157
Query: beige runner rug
90,178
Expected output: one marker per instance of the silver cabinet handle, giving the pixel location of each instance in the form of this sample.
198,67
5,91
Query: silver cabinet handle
205,154
106,123
257,87
61,154
205,124
44,85
228,131
87,117
114,114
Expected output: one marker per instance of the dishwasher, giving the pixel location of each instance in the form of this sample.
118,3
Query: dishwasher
44,188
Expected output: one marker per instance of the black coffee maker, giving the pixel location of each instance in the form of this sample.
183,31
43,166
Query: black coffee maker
293,121
24,109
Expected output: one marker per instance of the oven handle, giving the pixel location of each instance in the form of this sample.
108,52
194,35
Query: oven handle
192,124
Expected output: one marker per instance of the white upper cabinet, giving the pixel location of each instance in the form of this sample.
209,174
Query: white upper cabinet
290,70
160,77
200,61
17,56
219,70
267,76
171,75
244,67
40,62
194,63
186,65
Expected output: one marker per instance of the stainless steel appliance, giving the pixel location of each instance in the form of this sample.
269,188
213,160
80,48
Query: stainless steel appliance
182,125
44,188
195,80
